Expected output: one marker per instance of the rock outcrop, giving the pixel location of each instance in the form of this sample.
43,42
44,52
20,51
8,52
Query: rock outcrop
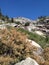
33,43
27,61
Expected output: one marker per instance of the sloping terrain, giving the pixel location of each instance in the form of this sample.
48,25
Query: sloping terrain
13,45
42,41
14,48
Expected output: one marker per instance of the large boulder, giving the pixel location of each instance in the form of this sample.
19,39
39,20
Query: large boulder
27,61
39,50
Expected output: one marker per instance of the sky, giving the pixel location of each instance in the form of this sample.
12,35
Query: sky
25,8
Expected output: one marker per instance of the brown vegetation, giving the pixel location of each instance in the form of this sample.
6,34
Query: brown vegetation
13,45
46,55
14,48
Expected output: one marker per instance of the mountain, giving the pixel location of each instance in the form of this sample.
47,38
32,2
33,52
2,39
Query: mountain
22,41
23,19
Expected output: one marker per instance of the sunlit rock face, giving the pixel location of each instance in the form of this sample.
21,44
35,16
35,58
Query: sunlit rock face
38,52
39,48
27,61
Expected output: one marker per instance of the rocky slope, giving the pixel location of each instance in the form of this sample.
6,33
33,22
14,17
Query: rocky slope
23,19
14,48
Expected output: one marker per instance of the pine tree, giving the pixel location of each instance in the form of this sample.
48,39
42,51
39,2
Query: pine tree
0,13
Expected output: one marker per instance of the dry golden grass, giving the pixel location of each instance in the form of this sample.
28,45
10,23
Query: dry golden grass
14,45
46,55
14,48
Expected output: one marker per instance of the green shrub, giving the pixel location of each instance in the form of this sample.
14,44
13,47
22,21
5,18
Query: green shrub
37,38
27,24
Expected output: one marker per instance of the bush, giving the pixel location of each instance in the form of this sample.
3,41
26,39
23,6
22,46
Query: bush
18,22
27,24
13,46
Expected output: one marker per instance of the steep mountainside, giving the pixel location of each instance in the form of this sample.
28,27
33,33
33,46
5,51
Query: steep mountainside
14,48
18,41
